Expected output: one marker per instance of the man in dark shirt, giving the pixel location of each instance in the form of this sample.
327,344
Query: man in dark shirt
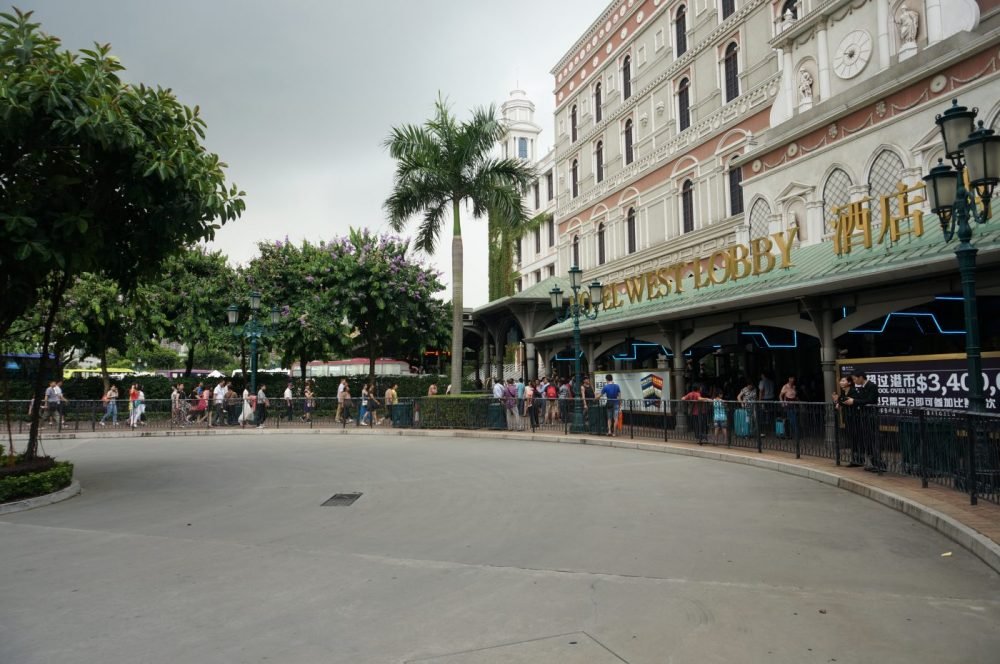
862,414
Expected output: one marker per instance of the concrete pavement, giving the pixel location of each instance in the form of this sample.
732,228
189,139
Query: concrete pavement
216,549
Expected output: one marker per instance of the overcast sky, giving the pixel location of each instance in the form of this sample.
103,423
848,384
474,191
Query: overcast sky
299,95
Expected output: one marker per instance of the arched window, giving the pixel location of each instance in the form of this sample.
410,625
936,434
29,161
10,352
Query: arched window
731,72
574,177
629,152
598,103
572,123
836,193
599,161
576,251
630,230
735,190
728,7
790,6
680,28
884,176
760,215
600,244
684,104
687,205
626,77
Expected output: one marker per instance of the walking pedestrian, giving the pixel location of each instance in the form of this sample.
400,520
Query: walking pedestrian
288,402
110,405
262,404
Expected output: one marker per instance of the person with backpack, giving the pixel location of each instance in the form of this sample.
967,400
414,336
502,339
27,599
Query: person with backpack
551,394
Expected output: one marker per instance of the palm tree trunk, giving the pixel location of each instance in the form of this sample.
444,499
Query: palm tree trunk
457,274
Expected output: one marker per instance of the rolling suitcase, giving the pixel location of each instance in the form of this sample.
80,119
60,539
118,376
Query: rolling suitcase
779,427
741,423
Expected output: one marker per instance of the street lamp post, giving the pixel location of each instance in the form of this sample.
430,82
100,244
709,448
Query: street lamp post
974,153
576,310
252,330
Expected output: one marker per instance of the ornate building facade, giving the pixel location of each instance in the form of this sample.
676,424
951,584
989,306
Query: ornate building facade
732,172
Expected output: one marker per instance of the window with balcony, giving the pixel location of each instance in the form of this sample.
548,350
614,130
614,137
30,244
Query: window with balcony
735,190
626,77
630,230
629,149
684,104
731,73
687,205
680,30
599,161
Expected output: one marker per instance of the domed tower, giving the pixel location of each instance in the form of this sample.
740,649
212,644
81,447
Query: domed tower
522,133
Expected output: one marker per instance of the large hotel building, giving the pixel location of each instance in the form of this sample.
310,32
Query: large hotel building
744,177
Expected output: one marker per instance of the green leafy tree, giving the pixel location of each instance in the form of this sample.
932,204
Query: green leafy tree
186,302
386,295
96,175
441,165
301,281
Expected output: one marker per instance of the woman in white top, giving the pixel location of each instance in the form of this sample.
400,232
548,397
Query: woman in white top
247,415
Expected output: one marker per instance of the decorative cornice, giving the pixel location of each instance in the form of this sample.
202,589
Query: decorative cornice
680,63
804,26
731,112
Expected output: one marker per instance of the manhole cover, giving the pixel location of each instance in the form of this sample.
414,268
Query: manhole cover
342,500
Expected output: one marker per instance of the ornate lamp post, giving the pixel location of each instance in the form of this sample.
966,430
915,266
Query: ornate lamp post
252,330
975,152
576,310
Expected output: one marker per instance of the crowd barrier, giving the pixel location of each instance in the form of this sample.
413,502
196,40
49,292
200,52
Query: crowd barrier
956,449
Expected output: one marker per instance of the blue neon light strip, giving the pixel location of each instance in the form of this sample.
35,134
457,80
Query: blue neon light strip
950,298
641,343
760,336
915,316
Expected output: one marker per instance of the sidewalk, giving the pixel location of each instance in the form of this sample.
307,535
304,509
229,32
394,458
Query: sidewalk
976,528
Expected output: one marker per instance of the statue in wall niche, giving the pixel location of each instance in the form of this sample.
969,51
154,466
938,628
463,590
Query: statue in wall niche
908,22
805,84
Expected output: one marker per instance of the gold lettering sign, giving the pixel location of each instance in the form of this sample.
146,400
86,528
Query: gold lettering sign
852,227
737,262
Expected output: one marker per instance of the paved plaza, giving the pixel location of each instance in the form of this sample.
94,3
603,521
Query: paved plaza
218,549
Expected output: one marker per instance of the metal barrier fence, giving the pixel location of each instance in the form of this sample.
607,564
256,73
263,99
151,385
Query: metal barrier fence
955,449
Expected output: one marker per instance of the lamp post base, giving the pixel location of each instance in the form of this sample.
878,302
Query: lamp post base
577,424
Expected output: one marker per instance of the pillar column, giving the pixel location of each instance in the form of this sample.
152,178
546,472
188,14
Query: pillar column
935,32
823,61
677,382
531,361
788,82
498,350
882,17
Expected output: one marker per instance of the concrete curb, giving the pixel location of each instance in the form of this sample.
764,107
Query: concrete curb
981,546
41,501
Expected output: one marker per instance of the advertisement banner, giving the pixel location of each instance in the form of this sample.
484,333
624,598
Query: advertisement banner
927,381
647,386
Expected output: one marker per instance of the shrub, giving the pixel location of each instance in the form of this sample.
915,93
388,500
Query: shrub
19,487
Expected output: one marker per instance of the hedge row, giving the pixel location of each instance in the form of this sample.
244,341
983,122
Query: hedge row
20,487
158,387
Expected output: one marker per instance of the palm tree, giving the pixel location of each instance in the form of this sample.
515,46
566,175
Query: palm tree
445,163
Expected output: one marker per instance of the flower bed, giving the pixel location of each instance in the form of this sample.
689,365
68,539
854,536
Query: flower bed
35,478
